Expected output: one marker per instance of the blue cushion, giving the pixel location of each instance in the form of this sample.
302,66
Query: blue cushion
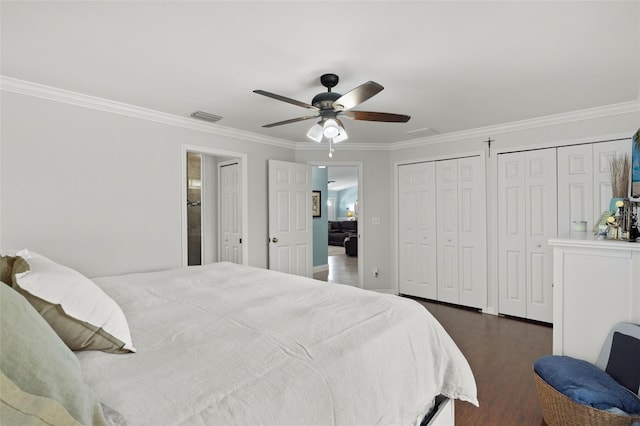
586,384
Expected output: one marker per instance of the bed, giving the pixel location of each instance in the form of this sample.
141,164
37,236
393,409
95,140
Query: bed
228,344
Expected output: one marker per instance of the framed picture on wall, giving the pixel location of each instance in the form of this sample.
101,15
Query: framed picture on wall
316,207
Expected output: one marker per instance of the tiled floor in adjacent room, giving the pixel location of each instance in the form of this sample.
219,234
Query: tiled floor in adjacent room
343,269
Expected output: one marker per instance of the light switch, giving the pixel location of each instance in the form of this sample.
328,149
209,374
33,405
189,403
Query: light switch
375,221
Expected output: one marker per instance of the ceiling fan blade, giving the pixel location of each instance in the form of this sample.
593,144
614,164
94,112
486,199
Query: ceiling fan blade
357,95
376,116
284,99
293,120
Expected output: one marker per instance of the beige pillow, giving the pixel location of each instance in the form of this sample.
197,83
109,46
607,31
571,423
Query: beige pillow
10,266
83,315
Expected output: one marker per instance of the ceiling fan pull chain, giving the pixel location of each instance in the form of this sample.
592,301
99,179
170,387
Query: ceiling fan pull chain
330,148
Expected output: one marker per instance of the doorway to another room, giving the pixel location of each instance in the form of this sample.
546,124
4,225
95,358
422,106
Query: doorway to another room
214,193
336,233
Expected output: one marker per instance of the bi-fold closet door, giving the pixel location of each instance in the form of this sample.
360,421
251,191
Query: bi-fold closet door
527,219
584,185
442,245
540,194
417,230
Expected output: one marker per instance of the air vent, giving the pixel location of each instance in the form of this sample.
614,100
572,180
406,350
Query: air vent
201,115
427,131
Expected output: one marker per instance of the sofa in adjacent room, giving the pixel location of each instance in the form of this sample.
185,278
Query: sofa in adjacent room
341,229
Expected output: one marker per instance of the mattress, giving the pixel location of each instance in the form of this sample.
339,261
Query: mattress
229,344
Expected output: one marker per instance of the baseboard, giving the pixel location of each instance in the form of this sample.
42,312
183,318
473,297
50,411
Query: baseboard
320,268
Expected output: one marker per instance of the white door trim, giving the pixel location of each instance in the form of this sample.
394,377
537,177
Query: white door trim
242,159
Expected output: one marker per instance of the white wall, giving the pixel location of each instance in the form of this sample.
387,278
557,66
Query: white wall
101,192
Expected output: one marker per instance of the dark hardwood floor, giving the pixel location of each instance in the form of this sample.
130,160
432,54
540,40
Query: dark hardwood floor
501,352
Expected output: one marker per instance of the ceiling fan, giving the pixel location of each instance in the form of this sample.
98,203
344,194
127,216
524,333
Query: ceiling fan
331,105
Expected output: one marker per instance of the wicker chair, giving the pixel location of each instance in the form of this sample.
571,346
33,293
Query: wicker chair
558,409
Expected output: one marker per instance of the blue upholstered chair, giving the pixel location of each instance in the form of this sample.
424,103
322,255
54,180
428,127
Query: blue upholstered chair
576,392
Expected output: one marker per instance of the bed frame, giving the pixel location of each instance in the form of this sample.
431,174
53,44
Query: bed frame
443,413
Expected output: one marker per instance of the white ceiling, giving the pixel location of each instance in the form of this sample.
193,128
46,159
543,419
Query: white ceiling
451,65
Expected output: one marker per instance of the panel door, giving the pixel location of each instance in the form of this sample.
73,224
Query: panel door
575,187
230,215
512,299
602,153
290,231
542,224
472,232
447,234
417,230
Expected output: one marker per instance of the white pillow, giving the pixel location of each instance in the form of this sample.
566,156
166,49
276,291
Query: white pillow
83,315
23,253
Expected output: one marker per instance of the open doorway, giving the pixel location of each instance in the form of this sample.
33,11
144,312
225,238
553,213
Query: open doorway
194,208
213,219
337,236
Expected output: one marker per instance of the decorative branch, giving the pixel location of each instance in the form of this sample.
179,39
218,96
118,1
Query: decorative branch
619,172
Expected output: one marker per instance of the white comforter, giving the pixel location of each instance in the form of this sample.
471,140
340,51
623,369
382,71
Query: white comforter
226,344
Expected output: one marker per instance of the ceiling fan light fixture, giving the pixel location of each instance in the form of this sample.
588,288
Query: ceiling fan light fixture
315,133
342,136
330,128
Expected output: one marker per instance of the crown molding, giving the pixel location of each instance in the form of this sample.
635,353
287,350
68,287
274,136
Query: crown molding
60,95
549,120
86,101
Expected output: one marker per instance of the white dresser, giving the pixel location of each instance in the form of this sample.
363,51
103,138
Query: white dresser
596,284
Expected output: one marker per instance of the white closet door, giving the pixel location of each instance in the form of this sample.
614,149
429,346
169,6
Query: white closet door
542,224
472,236
417,226
527,214
447,225
602,153
230,213
575,187
511,234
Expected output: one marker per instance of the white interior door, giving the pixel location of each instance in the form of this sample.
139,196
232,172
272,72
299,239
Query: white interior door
575,187
230,212
542,224
472,232
602,153
331,208
512,234
447,235
290,225
417,230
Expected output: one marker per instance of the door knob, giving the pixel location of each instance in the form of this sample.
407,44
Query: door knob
274,240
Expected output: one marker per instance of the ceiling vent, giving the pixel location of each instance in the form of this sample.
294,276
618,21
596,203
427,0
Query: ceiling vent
427,131
201,115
